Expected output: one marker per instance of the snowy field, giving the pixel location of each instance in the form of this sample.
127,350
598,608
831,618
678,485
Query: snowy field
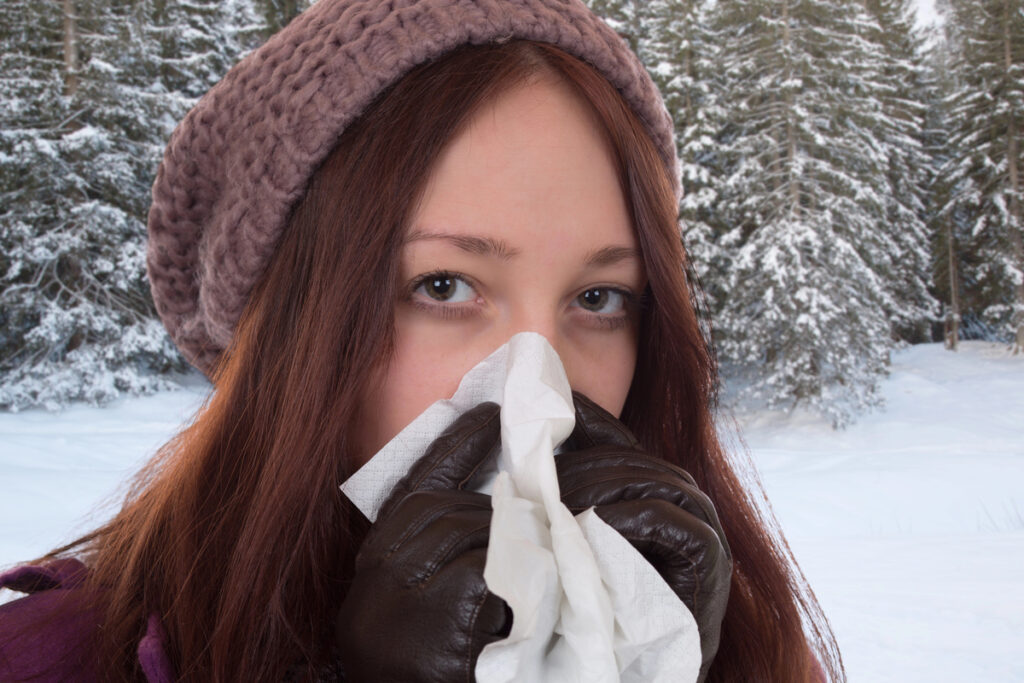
909,524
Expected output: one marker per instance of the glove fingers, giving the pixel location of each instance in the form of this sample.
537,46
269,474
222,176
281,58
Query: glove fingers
487,616
612,485
596,426
445,541
578,463
623,484
426,529
430,632
473,617
686,552
454,457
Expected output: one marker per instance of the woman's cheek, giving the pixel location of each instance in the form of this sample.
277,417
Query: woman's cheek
603,369
428,363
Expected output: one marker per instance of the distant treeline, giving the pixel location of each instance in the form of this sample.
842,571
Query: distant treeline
852,183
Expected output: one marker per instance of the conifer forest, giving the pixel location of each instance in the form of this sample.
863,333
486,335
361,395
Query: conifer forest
852,181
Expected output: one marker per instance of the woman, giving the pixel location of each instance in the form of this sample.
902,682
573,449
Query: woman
357,214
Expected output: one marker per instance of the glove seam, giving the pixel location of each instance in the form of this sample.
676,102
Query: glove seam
469,669
649,461
614,478
422,520
707,514
433,567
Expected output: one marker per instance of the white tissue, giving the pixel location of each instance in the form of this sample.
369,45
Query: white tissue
586,605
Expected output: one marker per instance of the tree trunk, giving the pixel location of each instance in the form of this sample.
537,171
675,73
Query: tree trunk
1012,158
1016,242
794,181
688,70
70,48
953,318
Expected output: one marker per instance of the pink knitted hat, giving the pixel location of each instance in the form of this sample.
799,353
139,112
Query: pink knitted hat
243,156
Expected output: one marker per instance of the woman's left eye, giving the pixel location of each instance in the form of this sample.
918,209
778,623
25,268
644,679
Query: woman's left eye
603,300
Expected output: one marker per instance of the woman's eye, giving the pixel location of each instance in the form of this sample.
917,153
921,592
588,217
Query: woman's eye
446,288
602,300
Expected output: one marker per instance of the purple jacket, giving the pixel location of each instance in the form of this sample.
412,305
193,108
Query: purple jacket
58,651
45,635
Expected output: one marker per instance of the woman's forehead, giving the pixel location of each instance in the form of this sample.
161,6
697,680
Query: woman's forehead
532,164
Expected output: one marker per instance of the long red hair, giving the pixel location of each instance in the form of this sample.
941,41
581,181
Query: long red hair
236,532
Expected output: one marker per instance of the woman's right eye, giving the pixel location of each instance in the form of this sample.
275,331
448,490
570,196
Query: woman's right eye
444,287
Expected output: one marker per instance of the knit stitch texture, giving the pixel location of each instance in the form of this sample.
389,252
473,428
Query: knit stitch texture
243,156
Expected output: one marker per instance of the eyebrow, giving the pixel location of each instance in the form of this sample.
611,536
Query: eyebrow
482,246
608,256
488,246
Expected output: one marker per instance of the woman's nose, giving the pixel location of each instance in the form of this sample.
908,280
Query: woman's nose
545,323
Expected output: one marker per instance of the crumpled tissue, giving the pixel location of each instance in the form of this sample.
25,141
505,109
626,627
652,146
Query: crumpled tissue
586,605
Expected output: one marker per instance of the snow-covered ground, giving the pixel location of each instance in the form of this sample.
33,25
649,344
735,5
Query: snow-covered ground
909,525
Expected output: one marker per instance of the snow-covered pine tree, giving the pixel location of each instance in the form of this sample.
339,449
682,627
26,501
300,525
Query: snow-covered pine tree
72,304
274,15
625,17
807,198
687,54
901,101
90,90
947,209
33,81
673,41
182,47
987,119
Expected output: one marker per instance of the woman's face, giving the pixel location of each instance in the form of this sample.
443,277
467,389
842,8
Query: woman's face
522,227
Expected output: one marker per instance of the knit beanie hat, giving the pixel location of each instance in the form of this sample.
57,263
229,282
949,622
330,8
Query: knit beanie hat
242,158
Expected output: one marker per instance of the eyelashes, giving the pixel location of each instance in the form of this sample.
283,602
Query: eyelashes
445,309
451,295
445,287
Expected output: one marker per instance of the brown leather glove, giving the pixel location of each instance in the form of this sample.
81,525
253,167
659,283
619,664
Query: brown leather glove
418,608
657,507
